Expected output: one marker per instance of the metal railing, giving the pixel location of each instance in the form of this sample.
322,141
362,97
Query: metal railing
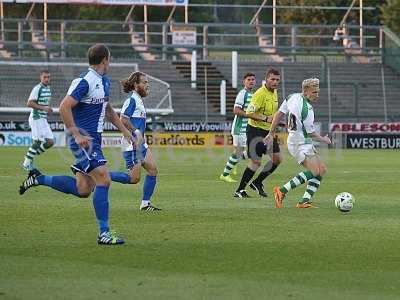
18,78
358,100
70,38
391,53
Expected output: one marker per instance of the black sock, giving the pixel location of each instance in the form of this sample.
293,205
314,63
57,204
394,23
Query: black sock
247,175
266,171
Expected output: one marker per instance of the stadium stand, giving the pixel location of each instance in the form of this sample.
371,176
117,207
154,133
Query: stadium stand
184,98
16,85
356,88
21,77
206,70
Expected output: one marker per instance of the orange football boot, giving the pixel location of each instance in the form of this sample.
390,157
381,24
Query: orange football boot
279,196
305,205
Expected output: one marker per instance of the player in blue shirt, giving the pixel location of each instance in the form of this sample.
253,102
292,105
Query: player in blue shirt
83,111
137,154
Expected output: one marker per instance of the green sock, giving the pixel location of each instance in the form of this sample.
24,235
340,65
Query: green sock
232,161
33,150
299,179
312,186
37,148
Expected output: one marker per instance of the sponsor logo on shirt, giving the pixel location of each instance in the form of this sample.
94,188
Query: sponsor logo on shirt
98,100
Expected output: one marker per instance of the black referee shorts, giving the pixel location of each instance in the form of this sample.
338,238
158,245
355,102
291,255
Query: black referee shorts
255,145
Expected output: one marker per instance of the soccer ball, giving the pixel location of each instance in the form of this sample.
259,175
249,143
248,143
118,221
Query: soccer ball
344,202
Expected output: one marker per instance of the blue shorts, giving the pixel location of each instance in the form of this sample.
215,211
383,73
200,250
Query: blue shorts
132,158
86,160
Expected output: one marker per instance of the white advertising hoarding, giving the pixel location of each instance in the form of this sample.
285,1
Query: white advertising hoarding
23,139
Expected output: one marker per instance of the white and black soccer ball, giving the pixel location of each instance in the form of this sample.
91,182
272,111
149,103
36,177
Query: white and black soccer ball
344,202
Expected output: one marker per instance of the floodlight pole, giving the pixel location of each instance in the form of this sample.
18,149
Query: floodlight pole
186,14
361,25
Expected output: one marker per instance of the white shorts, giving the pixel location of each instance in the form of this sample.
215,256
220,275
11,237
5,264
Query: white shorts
127,146
239,140
40,129
300,152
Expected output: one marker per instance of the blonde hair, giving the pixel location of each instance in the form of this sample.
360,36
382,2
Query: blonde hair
310,82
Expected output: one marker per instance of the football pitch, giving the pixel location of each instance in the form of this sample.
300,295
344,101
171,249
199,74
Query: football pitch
205,244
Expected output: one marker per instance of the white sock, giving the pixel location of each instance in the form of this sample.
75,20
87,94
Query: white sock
27,161
145,203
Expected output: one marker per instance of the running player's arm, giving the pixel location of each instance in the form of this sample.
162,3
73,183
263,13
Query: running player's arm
282,111
33,104
112,116
76,92
127,123
310,129
66,116
276,120
317,137
32,101
127,110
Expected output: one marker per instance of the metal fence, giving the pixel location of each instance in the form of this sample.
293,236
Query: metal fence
70,38
391,54
352,92
19,77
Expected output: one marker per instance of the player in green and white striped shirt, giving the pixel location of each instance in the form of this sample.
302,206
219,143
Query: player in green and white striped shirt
239,126
42,136
299,110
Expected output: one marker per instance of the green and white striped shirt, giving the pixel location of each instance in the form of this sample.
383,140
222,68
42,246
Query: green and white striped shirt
239,124
41,94
300,119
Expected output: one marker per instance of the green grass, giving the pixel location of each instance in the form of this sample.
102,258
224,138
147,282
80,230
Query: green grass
205,244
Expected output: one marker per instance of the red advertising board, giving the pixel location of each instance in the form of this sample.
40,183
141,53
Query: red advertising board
364,127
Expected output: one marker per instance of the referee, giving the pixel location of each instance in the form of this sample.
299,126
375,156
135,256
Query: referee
264,104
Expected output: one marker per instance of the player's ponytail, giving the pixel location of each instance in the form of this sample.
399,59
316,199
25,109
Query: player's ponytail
128,84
